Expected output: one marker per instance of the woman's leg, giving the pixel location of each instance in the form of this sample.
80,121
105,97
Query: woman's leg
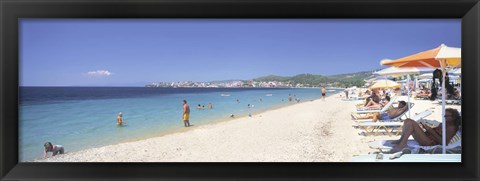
375,105
410,127
376,116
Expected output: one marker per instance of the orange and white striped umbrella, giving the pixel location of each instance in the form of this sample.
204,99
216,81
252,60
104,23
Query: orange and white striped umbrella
430,58
443,57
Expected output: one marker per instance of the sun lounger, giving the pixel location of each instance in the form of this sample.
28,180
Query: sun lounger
393,124
451,101
385,108
454,146
410,158
389,120
353,99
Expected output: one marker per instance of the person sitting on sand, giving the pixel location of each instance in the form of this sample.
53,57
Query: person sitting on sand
431,136
389,114
119,118
55,149
232,116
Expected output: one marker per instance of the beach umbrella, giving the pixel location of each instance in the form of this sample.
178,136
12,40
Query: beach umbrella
416,84
456,72
426,76
424,80
370,78
443,57
375,77
397,71
385,83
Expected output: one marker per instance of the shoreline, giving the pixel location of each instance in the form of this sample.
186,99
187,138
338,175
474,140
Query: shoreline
167,120
262,115
310,131
181,129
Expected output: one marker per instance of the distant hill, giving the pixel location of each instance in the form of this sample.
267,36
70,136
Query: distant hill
341,80
363,74
272,78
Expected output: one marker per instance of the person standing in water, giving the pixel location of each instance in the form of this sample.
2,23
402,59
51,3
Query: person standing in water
186,113
119,119
324,93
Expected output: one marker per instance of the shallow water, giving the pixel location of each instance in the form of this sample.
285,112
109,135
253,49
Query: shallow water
85,117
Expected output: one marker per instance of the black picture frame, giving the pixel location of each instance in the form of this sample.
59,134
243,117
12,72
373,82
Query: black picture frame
11,11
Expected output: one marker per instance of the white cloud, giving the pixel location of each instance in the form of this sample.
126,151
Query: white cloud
100,73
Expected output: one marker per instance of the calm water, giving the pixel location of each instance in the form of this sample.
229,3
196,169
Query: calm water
85,117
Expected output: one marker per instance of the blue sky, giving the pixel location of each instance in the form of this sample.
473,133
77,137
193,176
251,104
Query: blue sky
133,52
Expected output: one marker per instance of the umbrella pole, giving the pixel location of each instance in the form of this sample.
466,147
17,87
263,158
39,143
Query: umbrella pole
444,132
408,95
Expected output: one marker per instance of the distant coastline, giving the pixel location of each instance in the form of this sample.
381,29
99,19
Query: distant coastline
273,81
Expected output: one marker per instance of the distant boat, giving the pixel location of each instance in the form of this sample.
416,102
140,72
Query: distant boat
330,90
268,94
224,95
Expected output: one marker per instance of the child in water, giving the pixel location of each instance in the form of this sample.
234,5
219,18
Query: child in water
55,149
120,119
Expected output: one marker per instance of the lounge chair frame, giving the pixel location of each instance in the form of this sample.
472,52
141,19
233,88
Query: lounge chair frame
390,127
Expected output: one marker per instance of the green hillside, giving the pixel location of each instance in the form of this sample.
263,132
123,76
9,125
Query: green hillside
342,80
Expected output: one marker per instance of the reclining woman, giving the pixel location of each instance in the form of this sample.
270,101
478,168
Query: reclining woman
373,105
424,94
391,113
431,136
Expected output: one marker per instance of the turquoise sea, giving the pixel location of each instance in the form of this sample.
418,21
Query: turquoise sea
85,117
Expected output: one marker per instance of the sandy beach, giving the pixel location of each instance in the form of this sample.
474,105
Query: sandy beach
311,131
